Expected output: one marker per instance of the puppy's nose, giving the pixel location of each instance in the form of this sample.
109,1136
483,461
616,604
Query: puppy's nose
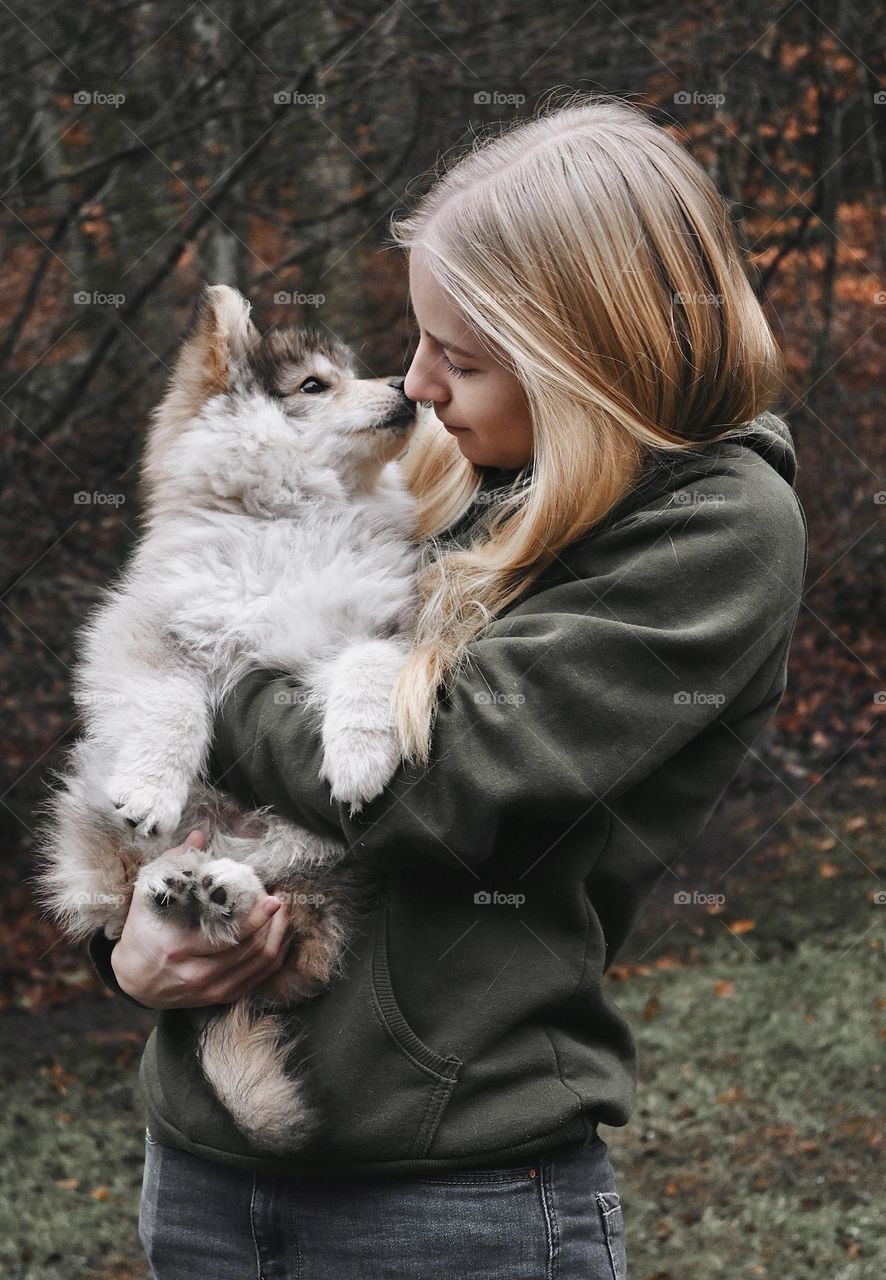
398,383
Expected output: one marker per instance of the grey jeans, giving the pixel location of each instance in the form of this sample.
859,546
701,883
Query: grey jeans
556,1219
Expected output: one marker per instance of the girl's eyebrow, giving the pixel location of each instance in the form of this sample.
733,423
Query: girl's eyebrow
451,346
441,342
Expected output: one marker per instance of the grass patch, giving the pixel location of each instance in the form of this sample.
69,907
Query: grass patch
71,1137
755,1146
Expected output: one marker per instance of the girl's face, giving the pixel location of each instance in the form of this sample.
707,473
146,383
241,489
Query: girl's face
468,388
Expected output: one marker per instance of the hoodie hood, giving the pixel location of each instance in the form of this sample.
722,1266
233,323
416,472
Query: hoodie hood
769,436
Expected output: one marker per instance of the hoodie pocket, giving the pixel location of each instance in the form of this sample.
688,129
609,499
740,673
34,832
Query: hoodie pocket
441,1073
379,1089
391,1016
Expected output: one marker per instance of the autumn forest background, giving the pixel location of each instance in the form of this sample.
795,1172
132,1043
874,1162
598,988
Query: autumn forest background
150,147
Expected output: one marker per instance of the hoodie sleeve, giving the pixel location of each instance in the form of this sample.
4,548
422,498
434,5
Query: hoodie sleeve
578,693
100,948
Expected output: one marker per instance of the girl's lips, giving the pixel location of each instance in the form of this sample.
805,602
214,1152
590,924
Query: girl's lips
454,430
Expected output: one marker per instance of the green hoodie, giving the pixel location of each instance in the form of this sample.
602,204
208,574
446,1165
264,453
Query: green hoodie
580,753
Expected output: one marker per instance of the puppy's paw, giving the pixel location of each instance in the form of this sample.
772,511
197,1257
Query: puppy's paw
145,810
197,891
358,764
226,891
169,884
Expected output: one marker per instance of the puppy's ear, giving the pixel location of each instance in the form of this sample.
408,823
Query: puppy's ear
218,338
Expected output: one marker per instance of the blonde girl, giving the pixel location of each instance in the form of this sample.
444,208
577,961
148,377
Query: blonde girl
614,556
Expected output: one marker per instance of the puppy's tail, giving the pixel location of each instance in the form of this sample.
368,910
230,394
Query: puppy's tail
244,1057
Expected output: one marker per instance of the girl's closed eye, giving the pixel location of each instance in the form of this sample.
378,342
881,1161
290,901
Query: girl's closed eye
454,368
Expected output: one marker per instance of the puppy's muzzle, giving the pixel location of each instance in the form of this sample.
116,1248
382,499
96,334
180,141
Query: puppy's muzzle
403,415
401,421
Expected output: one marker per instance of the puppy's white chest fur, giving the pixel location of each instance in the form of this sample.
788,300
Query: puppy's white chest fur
237,591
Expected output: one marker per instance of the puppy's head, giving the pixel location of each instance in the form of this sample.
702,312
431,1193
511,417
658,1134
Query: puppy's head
314,378
246,415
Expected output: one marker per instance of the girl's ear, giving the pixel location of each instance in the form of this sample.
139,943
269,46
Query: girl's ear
218,338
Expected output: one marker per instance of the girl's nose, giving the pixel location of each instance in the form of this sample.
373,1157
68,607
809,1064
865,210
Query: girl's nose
419,385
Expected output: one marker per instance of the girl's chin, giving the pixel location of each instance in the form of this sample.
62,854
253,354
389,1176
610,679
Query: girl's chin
465,439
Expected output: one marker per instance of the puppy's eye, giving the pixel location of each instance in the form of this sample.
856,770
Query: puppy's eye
313,386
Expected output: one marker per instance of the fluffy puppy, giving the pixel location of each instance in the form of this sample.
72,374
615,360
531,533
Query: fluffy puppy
278,533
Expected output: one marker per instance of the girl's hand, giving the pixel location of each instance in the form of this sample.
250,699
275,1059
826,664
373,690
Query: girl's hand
165,966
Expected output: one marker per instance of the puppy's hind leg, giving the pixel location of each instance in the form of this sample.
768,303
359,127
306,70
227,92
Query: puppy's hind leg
85,869
244,1057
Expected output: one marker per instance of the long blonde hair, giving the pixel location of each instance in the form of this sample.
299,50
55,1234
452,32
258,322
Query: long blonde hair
597,260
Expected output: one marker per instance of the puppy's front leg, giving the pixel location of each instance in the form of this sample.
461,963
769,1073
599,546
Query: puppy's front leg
161,747
147,709
361,749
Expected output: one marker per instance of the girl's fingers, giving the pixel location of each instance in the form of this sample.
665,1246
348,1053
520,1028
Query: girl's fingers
265,941
265,908
259,968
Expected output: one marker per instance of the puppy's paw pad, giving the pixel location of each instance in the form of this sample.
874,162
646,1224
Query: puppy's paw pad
217,892
226,891
168,881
